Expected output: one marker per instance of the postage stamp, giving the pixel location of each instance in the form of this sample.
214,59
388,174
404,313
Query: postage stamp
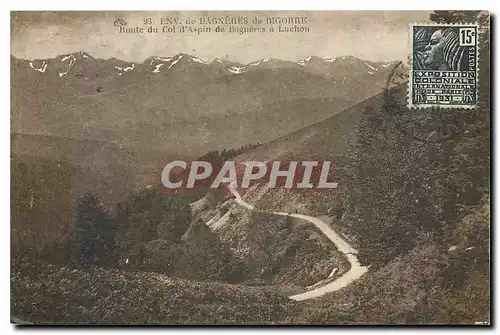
444,66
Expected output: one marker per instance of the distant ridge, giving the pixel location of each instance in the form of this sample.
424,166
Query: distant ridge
63,64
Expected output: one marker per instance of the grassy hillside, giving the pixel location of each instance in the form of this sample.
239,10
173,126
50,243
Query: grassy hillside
413,172
272,249
64,295
430,284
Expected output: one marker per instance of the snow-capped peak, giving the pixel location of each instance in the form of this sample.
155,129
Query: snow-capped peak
157,67
125,69
41,69
160,59
75,56
371,67
236,70
71,63
84,54
67,57
305,61
175,62
198,60
259,62
345,57
63,63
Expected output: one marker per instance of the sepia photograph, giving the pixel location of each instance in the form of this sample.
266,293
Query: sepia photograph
250,167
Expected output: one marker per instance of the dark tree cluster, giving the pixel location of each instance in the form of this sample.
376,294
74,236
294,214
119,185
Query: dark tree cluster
216,156
94,233
415,172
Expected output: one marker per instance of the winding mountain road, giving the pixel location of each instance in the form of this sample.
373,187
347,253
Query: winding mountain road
356,270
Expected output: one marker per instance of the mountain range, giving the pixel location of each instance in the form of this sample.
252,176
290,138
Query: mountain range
81,63
111,115
160,101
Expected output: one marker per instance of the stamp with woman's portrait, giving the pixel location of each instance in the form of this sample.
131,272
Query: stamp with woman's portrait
444,70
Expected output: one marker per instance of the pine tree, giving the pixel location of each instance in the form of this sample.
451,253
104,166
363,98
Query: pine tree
93,242
175,219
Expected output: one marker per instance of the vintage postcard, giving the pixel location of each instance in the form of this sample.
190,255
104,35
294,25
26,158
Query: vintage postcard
250,167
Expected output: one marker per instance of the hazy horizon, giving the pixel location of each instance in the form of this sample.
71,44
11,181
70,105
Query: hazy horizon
170,55
368,35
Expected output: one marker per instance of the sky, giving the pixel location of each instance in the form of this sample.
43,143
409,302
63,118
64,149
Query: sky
374,35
